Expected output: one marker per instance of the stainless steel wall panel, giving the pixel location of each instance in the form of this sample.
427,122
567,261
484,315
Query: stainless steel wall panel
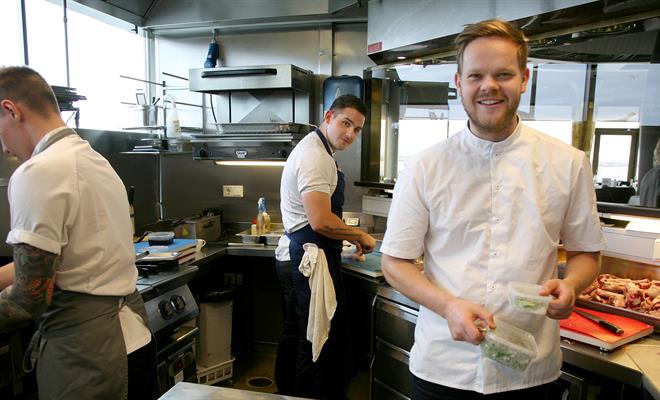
320,50
190,186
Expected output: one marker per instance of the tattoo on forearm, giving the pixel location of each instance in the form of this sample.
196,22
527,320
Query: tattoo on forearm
33,285
347,233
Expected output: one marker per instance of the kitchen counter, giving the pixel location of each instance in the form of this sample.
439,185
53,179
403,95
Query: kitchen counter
616,365
193,391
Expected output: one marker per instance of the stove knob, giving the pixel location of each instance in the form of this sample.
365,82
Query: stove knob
166,309
203,153
179,303
283,153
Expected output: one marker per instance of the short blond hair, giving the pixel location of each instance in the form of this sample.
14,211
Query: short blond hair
491,28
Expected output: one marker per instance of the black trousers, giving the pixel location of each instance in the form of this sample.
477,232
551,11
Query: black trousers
424,390
287,349
142,372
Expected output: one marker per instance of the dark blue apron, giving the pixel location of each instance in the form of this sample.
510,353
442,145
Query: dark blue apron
328,377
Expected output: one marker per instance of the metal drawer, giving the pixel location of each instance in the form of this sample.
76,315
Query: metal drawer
390,367
394,323
381,391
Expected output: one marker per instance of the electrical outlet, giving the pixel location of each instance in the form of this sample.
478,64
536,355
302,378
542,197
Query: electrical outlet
230,279
232,190
239,279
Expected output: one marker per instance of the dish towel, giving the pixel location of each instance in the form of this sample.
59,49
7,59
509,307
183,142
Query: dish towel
323,301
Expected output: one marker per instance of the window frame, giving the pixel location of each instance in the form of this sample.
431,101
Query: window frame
634,144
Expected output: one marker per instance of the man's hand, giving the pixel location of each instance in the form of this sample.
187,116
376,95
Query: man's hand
366,244
564,295
461,315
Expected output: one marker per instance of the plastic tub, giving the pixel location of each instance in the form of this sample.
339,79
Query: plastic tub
508,345
525,297
160,238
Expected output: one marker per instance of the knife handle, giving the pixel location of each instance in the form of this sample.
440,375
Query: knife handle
610,327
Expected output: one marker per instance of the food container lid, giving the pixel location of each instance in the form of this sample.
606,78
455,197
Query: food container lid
508,345
160,236
524,296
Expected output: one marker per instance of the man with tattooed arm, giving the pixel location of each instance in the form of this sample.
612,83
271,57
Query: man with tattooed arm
74,263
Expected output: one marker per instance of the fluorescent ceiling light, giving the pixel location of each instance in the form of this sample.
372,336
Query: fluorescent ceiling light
253,163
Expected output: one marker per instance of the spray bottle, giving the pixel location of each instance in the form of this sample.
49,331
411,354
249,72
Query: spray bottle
173,123
263,219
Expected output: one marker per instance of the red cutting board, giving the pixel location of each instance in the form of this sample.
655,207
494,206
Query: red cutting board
583,329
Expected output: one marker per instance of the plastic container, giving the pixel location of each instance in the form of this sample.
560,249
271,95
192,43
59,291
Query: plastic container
160,238
525,297
173,123
508,345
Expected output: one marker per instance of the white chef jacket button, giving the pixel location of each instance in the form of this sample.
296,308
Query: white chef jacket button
494,254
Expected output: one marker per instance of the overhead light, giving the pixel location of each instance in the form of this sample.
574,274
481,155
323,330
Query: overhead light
401,58
252,163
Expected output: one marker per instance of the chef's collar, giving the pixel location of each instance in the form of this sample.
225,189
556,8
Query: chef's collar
487,145
46,140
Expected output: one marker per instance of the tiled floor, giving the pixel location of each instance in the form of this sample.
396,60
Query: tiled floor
263,366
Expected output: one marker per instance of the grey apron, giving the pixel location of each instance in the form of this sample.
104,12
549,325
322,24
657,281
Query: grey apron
79,344
79,347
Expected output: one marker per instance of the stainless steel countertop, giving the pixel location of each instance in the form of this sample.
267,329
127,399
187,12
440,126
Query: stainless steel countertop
194,391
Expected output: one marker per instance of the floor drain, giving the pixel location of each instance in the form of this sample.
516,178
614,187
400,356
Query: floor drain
260,382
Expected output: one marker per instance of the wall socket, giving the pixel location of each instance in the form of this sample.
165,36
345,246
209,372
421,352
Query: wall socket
232,190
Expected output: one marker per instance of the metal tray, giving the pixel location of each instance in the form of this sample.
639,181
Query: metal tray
263,127
631,270
270,238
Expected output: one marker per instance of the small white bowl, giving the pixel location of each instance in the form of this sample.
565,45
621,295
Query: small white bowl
525,297
509,345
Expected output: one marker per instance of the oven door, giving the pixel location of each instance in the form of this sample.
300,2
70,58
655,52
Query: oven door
176,361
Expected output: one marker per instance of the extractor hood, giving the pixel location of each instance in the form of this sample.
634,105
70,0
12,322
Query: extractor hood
570,30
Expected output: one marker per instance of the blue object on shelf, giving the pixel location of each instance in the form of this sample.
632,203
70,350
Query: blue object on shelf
336,86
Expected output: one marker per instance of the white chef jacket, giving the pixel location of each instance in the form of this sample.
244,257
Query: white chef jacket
68,200
486,213
309,168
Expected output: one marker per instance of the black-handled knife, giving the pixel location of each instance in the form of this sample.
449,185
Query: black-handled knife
605,324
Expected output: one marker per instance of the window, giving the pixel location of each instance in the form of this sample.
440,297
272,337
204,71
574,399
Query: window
99,53
614,157
10,30
45,40
96,61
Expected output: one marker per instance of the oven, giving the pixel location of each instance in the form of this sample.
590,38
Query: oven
169,304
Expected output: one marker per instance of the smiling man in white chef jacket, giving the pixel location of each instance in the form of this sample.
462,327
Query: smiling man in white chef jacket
74,263
486,207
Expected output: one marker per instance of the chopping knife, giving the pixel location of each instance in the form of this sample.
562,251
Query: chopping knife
605,324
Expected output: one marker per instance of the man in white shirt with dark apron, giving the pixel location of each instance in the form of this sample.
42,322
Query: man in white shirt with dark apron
312,197
74,262
486,207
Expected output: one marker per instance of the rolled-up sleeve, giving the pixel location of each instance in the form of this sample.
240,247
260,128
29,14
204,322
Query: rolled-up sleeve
408,219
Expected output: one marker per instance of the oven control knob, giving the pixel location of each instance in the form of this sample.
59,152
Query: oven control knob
179,303
283,153
203,152
166,309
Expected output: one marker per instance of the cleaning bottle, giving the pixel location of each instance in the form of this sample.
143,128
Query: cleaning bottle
173,123
261,204
265,216
213,54
263,219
